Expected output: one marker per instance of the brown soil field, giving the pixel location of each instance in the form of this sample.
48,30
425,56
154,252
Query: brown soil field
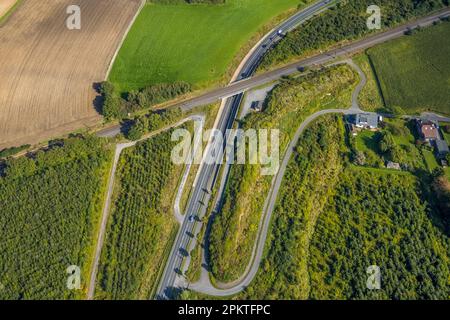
48,72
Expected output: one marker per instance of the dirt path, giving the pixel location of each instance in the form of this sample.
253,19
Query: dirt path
109,193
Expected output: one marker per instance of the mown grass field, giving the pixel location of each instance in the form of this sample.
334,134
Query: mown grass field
414,72
193,43
333,220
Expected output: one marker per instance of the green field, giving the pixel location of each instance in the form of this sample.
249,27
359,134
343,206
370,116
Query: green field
414,72
192,43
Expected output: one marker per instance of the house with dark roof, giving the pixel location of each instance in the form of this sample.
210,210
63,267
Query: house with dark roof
366,120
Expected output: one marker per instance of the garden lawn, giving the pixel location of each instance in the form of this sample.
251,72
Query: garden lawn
366,140
192,43
430,160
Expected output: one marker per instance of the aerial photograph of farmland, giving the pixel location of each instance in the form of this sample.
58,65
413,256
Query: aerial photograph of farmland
236,158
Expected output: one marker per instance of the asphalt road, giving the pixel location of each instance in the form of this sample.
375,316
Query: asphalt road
109,193
200,197
243,84
224,290
256,81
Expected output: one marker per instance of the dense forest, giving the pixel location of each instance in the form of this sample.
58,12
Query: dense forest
50,206
378,219
333,220
234,229
141,223
347,21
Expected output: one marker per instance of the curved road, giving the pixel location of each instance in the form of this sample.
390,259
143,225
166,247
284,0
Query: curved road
106,208
204,285
179,258
173,278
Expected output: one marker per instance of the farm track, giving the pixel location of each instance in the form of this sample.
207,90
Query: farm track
52,70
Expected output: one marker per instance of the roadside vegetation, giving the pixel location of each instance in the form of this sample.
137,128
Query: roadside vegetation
234,229
142,227
309,181
396,141
174,41
8,152
414,72
321,33
50,209
370,97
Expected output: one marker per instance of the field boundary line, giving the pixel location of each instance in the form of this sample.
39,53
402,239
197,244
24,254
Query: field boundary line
127,31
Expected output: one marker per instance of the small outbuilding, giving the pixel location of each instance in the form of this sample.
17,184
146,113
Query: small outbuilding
393,165
442,149
257,106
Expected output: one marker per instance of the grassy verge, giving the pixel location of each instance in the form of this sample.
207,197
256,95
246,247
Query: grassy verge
51,206
370,98
333,220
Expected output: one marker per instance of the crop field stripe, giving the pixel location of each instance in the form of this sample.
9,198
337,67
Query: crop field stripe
414,72
51,92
